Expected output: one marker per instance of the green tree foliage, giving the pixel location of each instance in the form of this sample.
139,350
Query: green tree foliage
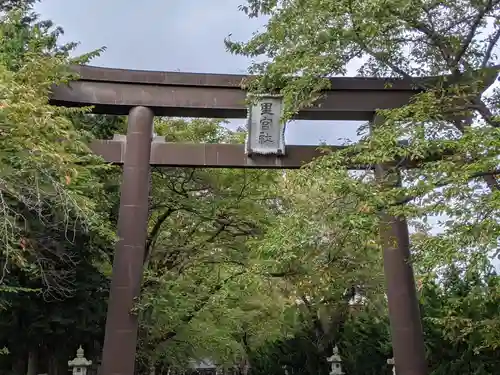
203,293
327,255
48,175
461,321
55,227
223,276
453,122
451,309
364,348
256,269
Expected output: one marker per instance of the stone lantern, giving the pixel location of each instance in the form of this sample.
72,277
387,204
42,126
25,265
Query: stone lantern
391,362
335,361
80,364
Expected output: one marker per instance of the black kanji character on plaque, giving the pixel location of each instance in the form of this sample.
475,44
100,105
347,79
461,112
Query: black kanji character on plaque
265,123
265,138
266,108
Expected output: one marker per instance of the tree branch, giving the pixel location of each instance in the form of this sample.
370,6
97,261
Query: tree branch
491,46
472,32
196,309
155,232
490,180
479,105
447,182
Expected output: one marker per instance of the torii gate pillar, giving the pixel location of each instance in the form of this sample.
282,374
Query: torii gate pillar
121,323
404,311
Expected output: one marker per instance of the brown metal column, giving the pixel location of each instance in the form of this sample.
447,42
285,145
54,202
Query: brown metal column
404,312
118,357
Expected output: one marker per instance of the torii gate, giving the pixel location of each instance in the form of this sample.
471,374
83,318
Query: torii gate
145,94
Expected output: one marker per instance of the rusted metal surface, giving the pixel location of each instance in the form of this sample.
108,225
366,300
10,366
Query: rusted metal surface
121,323
116,91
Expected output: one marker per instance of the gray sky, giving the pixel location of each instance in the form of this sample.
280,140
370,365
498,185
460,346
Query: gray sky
170,35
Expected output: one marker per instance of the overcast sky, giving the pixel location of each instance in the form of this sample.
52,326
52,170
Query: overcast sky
186,35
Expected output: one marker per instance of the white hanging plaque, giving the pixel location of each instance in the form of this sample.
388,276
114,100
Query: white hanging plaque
266,132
